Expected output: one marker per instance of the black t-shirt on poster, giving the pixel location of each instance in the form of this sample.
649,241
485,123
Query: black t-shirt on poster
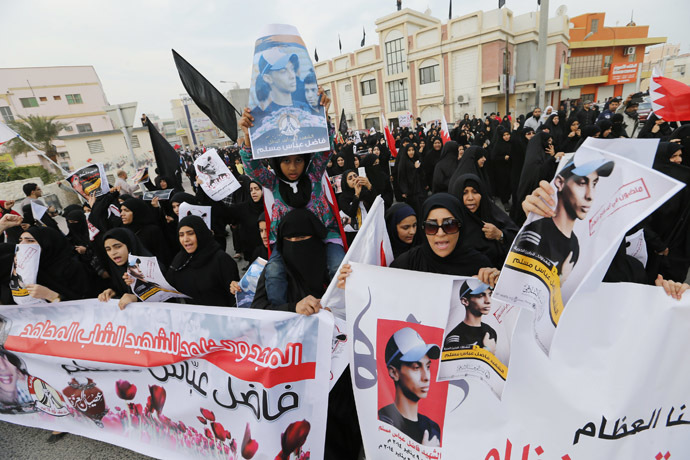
544,238
464,336
415,430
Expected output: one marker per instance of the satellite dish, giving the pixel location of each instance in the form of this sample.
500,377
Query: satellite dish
562,10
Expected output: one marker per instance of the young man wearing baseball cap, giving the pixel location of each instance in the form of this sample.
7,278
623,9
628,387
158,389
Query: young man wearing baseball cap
408,359
576,184
475,296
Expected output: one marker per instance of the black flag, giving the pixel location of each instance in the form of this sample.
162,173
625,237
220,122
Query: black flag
207,97
364,36
343,124
450,9
167,159
316,56
503,2
340,45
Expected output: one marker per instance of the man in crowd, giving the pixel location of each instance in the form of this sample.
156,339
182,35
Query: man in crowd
534,121
33,193
121,182
610,109
586,115
629,111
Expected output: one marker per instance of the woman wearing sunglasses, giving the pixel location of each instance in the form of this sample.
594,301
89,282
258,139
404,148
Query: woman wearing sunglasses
443,249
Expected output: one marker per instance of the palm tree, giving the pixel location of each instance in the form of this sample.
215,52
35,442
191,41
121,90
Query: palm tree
40,131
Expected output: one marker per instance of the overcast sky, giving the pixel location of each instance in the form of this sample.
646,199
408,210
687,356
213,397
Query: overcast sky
129,42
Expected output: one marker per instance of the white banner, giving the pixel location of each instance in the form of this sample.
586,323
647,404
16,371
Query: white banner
170,381
24,272
149,283
615,385
217,180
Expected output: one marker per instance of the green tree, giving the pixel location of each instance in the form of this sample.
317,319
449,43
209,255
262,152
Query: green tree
8,173
40,131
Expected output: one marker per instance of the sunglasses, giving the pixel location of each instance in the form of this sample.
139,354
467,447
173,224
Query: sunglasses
449,226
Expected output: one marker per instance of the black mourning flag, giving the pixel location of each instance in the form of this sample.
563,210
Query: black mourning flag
503,2
343,124
167,159
364,36
450,9
207,97
316,56
340,44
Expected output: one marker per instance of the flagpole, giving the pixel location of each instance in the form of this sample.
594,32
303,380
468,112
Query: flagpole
64,173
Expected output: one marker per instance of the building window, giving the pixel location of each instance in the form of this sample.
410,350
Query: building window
585,66
397,93
95,146
632,57
57,98
135,142
587,97
6,113
428,74
74,99
69,128
395,59
607,61
372,122
43,99
28,102
595,26
368,87
84,128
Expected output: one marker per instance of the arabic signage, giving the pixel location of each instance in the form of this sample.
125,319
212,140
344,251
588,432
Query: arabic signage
623,73
613,387
170,381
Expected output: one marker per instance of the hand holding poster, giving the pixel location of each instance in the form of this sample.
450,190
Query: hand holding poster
248,283
141,176
24,272
160,194
288,116
216,179
204,212
599,197
89,179
149,284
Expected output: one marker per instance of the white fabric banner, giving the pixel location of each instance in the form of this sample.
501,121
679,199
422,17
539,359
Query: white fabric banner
217,180
614,386
171,381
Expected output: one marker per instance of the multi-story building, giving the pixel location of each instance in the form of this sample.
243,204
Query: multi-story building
424,66
669,62
606,61
72,94
193,127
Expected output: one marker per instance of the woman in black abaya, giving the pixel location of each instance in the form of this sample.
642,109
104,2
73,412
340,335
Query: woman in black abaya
378,177
540,164
401,223
355,201
472,162
501,160
450,159
431,157
142,219
411,178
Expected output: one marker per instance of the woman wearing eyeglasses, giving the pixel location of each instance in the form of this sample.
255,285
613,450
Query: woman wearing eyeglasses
444,250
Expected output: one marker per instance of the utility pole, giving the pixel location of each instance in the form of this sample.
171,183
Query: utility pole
506,75
541,53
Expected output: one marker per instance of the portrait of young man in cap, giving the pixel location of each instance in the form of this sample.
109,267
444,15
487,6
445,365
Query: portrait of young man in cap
575,186
475,296
14,394
408,359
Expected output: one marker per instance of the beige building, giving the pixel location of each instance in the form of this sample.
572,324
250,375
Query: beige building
193,127
422,65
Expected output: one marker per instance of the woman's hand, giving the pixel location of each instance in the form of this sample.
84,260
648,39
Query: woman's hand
106,295
80,249
38,291
126,300
358,188
92,199
129,280
571,134
246,122
541,201
673,288
488,275
9,221
308,306
550,150
325,100
491,232
155,202
364,182
235,288
342,276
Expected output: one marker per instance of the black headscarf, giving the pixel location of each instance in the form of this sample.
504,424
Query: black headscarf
445,167
334,170
79,231
205,249
538,166
556,130
468,165
463,261
59,268
664,132
376,175
183,197
394,216
134,247
305,260
143,214
295,198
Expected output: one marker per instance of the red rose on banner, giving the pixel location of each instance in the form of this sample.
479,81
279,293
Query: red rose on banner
218,430
201,419
209,434
157,399
249,445
88,399
293,438
208,415
125,390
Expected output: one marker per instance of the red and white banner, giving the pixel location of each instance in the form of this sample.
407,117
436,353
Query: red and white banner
445,133
670,98
170,380
390,140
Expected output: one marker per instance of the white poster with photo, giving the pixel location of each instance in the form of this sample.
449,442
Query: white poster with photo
216,179
248,283
187,209
571,405
160,194
599,197
24,273
149,283
405,120
90,179
636,246
283,96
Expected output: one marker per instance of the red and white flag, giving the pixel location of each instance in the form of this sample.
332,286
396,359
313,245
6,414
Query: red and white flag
6,134
670,98
445,133
389,137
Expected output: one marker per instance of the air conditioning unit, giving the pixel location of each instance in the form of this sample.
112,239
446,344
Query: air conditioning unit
349,117
464,99
629,50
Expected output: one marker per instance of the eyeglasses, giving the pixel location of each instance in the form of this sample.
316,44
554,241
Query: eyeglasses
449,226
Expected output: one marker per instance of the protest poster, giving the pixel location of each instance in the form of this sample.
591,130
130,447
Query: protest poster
160,194
187,209
216,179
571,405
405,120
283,96
171,381
141,176
38,210
337,183
248,283
149,283
636,246
24,273
551,258
90,179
